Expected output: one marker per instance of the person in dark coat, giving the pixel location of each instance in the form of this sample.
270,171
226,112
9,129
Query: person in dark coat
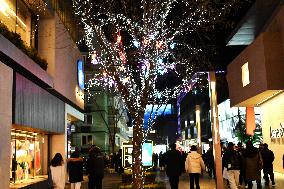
75,170
210,161
252,165
267,158
173,162
242,179
95,168
232,161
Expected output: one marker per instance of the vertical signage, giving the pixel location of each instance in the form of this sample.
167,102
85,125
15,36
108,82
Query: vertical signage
80,74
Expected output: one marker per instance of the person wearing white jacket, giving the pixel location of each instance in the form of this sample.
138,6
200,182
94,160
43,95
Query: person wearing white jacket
57,170
194,165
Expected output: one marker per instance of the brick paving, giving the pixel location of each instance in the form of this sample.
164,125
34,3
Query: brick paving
111,179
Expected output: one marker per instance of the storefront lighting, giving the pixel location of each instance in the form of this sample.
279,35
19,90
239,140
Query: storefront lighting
266,99
6,10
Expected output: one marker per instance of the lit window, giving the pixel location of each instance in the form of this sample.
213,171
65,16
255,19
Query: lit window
245,74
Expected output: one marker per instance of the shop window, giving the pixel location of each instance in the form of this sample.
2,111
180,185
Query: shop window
87,140
17,17
27,155
90,139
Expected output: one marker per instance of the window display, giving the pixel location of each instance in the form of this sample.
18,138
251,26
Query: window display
26,158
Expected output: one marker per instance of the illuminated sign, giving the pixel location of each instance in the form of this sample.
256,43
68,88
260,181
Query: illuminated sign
147,152
245,74
277,133
80,75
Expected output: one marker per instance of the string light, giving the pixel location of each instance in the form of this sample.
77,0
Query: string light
130,67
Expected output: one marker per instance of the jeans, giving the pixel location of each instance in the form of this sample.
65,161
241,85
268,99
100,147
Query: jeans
174,180
266,172
95,182
194,177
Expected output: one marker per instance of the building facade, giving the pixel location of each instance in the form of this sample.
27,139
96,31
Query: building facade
255,76
38,98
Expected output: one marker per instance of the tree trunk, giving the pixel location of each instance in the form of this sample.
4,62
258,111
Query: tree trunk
137,167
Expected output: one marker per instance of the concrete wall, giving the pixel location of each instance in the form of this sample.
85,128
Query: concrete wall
6,85
273,120
61,53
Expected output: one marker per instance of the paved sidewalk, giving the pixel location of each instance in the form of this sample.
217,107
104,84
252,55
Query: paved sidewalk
205,182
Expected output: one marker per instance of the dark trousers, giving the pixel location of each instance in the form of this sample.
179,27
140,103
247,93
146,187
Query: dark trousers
95,182
242,177
211,170
194,177
174,181
266,172
258,184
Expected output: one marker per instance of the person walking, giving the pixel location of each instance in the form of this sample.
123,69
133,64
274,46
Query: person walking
252,165
95,168
242,179
57,171
210,161
173,162
267,158
232,161
194,166
75,170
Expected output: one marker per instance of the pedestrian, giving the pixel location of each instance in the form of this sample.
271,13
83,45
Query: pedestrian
57,172
240,150
75,170
95,168
232,161
210,161
252,165
194,166
268,158
119,162
173,162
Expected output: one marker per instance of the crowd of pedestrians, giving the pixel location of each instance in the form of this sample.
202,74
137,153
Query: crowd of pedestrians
240,165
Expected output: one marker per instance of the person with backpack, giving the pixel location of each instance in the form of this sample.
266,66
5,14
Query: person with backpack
268,158
232,161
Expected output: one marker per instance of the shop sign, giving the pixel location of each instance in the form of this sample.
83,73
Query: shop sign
277,133
80,74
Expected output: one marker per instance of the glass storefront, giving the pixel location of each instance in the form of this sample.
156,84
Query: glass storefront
27,155
18,18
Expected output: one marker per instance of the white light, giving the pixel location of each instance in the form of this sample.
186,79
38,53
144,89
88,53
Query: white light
6,10
136,43
245,74
172,45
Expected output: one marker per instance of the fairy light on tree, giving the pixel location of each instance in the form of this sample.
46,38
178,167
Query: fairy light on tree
141,42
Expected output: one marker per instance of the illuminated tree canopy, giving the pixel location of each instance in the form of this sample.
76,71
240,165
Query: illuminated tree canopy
135,44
